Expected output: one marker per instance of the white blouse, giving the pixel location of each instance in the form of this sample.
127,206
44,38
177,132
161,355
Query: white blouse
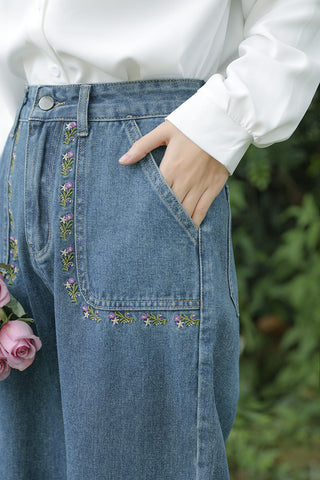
260,59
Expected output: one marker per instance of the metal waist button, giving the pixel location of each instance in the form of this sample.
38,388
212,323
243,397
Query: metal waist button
46,102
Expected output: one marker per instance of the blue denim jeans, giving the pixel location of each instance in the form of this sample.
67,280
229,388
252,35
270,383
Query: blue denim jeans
136,306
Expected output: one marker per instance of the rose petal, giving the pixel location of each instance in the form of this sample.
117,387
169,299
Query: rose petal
4,293
16,330
4,369
19,363
19,344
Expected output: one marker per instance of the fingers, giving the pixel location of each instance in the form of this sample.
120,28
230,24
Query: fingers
199,198
190,200
194,176
202,206
157,137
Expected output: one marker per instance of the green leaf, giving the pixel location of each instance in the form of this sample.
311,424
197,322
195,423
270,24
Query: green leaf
3,317
15,307
27,320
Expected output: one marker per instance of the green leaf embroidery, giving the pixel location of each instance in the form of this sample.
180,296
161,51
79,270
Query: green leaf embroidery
11,271
13,247
69,135
66,197
11,219
66,166
150,318
67,261
88,312
117,317
9,190
65,229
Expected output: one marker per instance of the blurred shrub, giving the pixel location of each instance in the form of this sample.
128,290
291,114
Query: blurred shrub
275,200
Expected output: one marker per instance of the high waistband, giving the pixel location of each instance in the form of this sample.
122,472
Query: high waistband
105,101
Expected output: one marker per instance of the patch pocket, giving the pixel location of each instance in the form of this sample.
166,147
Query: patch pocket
131,252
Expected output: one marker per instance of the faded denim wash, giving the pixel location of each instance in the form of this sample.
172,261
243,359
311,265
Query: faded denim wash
136,306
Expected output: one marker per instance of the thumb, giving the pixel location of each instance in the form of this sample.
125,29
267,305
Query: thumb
144,145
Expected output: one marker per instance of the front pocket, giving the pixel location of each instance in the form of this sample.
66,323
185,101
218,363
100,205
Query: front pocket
151,164
131,252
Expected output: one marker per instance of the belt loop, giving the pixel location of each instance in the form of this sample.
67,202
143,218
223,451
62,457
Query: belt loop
82,115
20,106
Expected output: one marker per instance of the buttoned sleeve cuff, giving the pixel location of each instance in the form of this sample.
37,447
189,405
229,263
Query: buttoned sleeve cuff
211,128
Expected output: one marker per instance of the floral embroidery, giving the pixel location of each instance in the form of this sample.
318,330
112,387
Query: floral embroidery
117,317
11,273
13,161
17,134
88,312
150,318
11,219
67,258
14,246
66,223
66,192
68,159
72,289
183,319
70,131
13,158
12,269
9,190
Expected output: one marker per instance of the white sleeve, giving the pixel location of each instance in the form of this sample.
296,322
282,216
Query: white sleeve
266,90
11,91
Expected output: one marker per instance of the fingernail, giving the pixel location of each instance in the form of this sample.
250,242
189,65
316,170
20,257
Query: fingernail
125,158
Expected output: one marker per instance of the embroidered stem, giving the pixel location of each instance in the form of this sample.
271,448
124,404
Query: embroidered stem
66,193
67,258
117,317
66,223
13,161
150,318
68,160
10,272
183,319
14,246
70,132
18,134
192,320
72,289
11,219
88,312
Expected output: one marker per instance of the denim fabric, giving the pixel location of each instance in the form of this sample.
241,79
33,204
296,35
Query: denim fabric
136,306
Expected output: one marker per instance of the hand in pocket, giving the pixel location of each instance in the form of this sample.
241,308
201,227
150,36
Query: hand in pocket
195,177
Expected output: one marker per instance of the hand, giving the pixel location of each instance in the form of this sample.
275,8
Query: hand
195,177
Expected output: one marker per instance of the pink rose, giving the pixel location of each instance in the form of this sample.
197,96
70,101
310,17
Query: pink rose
19,345
4,367
4,293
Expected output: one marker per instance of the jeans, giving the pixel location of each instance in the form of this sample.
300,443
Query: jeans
136,306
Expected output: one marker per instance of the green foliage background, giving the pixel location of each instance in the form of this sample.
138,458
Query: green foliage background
275,200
